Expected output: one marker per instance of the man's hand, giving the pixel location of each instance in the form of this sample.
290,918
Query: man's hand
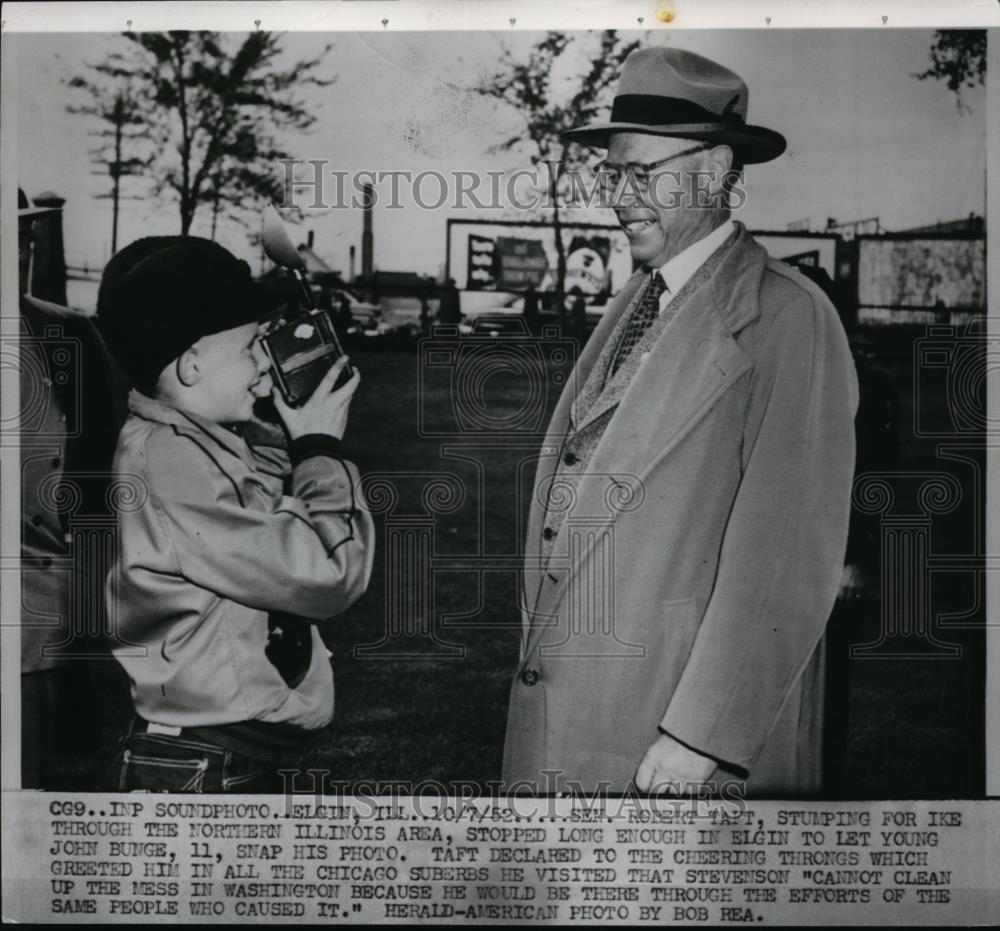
853,582
326,411
669,762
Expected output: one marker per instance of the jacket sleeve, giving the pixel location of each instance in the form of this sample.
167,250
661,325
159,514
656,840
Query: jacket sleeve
307,553
783,549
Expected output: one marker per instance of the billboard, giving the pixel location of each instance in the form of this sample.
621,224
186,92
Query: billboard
819,251
518,263
587,264
479,266
507,256
922,274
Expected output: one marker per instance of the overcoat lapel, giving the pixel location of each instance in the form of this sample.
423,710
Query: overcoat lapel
597,395
691,364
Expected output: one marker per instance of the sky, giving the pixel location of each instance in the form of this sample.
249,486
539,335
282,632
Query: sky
865,137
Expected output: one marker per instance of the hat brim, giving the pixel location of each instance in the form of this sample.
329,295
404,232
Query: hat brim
752,144
32,212
270,295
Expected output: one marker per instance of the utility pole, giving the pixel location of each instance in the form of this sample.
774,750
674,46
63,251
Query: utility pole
215,213
118,110
118,119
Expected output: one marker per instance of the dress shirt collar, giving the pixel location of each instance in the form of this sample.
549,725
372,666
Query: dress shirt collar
681,267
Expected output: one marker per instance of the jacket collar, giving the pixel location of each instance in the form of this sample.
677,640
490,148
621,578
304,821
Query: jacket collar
185,422
736,283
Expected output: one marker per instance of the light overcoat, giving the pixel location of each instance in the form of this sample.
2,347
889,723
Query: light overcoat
698,556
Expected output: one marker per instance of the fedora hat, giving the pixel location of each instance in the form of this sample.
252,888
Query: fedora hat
26,209
673,92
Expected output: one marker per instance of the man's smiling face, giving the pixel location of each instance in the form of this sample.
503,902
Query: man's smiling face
657,222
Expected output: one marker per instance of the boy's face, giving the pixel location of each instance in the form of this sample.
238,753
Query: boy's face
233,374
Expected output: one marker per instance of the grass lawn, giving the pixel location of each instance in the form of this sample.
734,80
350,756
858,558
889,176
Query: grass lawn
438,712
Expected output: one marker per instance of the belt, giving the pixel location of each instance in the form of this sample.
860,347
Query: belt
258,740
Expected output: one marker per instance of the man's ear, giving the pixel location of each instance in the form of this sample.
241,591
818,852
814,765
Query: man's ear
720,161
188,368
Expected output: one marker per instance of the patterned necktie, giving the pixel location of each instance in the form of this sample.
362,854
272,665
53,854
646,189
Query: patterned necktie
641,320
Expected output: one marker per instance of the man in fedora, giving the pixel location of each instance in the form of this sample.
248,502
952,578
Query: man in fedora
690,508
67,434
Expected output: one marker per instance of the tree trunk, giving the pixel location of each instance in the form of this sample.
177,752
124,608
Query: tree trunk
560,289
187,215
116,173
187,202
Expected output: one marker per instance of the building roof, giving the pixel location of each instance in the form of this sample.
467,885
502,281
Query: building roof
970,224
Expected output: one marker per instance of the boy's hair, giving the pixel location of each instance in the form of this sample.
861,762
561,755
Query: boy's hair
159,295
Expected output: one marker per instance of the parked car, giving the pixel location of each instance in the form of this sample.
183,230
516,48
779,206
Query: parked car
503,322
401,312
366,316
512,307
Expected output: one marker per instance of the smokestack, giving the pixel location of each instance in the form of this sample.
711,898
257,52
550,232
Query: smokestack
309,239
350,263
367,236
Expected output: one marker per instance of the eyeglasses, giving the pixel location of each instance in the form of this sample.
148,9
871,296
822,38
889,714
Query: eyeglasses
610,174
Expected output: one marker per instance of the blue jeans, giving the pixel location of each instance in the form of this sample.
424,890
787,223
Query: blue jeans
163,763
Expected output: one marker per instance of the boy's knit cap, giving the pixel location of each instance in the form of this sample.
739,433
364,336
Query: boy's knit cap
159,295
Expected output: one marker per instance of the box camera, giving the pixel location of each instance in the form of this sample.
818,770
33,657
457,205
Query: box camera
302,349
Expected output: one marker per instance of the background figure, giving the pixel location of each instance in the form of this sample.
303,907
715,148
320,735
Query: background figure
425,316
531,308
450,310
68,432
344,322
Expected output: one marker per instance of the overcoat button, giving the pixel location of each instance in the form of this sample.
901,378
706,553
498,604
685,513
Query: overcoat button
529,676
548,533
571,459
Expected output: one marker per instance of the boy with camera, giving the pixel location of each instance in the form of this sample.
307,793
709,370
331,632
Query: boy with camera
228,553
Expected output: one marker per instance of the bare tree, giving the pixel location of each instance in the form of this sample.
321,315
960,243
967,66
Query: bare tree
527,87
211,110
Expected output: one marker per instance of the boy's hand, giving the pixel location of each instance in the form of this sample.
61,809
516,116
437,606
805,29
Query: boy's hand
326,411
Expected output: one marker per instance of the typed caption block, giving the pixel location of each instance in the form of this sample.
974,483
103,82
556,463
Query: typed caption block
349,859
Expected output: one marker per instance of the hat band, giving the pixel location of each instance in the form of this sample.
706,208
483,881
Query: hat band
654,110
